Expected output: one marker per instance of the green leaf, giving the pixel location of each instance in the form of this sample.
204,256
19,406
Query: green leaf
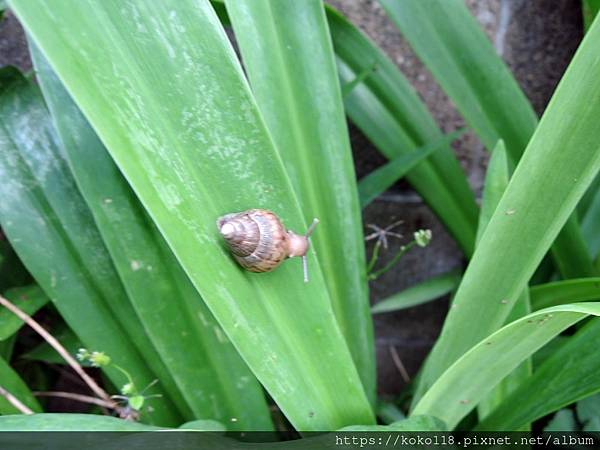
563,420
44,352
30,299
203,425
559,164
13,383
448,39
590,222
289,60
389,413
389,112
590,11
70,422
566,376
362,76
381,179
496,180
51,229
471,377
7,347
568,291
413,423
588,412
211,376
161,86
426,291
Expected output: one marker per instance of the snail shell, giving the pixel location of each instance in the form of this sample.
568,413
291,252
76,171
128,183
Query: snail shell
258,240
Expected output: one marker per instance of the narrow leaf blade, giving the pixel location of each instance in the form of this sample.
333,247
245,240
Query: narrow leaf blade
176,132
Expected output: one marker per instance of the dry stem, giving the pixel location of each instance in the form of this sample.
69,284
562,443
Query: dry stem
60,349
15,401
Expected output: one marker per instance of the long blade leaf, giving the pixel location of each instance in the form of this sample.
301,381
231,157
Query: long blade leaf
448,39
386,108
12,382
212,378
30,299
472,376
293,76
425,291
568,291
381,179
161,86
560,162
566,376
50,227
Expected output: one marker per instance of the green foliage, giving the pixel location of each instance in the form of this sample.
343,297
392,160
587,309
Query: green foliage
193,146
12,382
51,229
188,339
29,299
496,181
293,77
423,292
378,181
567,375
471,377
563,420
155,130
389,112
590,11
559,292
447,38
559,164
588,412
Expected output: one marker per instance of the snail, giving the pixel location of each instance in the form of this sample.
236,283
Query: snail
259,242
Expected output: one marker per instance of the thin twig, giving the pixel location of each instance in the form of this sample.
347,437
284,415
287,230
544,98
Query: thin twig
77,397
15,401
59,348
399,365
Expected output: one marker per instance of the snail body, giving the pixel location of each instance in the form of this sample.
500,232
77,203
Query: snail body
259,242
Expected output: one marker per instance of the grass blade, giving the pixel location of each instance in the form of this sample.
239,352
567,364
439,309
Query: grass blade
496,180
210,375
381,179
426,291
590,223
30,299
472,376
42,209
388,111
449,41
293,77
566,376
70,422
560,162
166,104
590,10
568,291
447,38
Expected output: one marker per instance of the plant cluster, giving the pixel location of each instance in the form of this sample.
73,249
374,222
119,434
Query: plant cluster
142,128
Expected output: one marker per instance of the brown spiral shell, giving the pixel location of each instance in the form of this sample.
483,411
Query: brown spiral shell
257,238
